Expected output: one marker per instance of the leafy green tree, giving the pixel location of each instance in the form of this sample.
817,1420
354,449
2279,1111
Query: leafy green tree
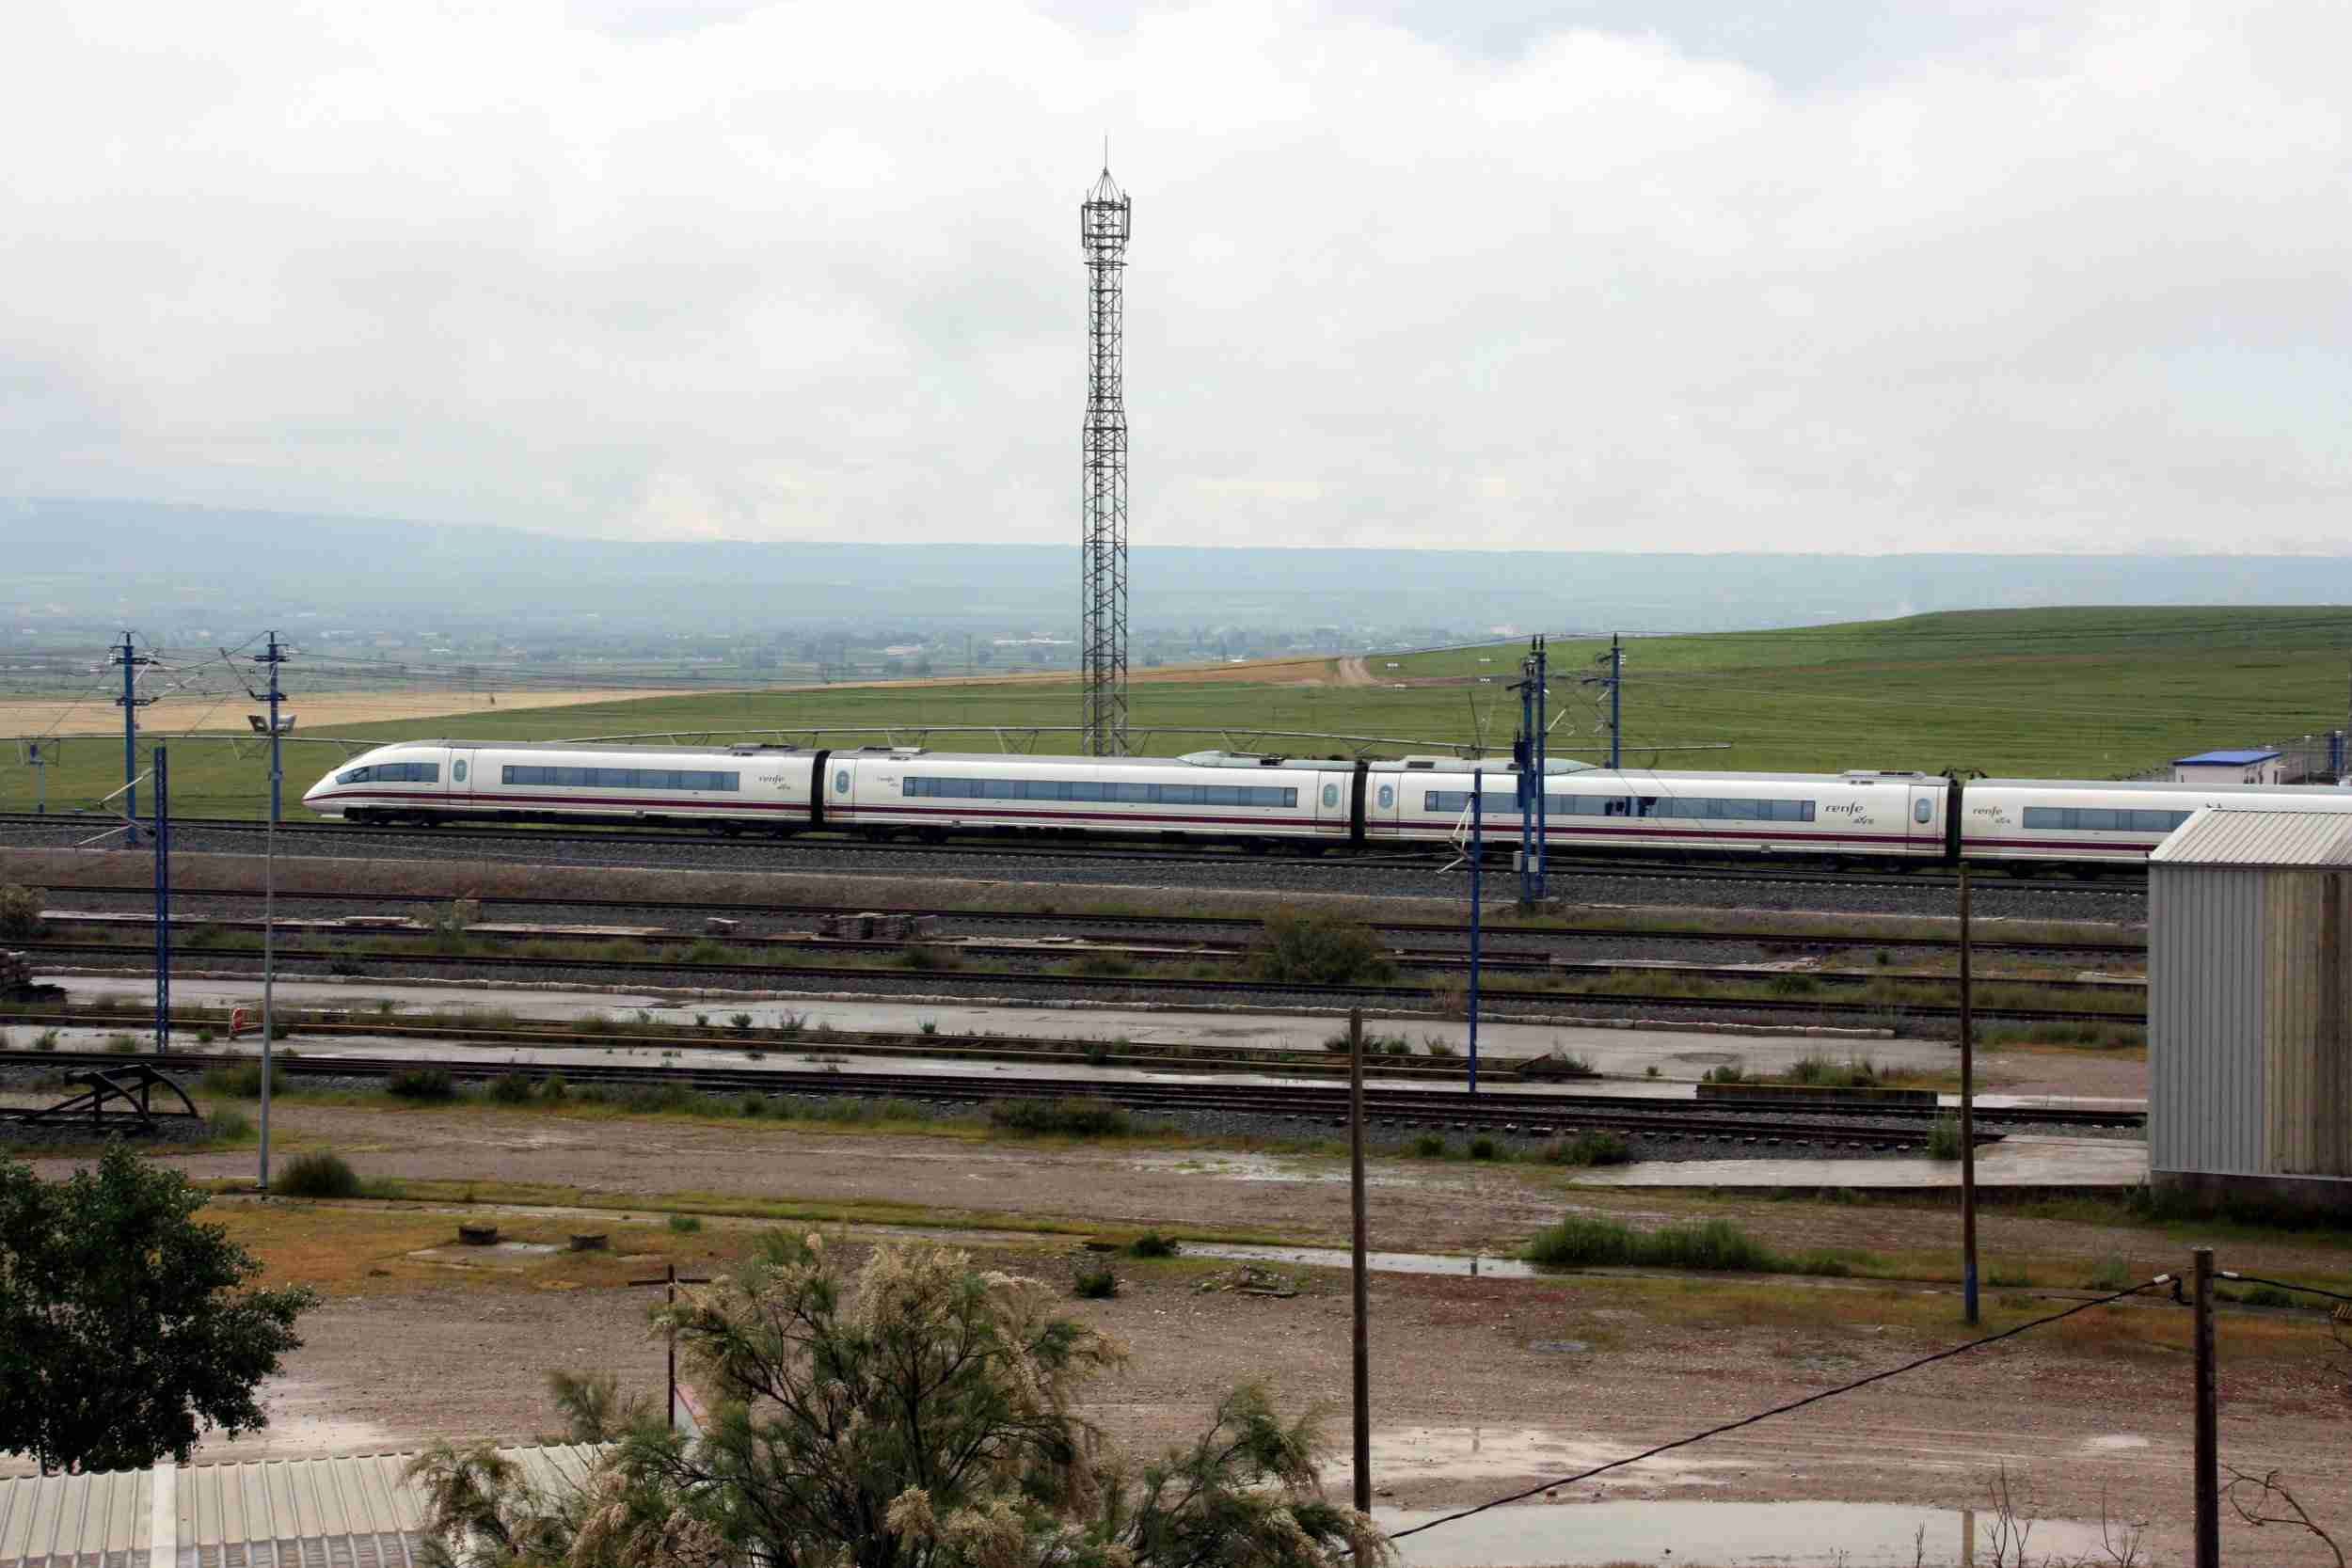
921,1416
124,1330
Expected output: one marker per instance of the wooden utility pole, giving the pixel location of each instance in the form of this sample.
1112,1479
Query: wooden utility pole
2208,1419
671,1279
1363,1292
1967,1113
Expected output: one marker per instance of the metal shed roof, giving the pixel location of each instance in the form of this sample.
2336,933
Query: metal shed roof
2240,836
2223,759
353,1511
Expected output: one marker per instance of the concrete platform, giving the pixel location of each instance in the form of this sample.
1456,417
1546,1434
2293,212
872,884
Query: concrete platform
1681,1057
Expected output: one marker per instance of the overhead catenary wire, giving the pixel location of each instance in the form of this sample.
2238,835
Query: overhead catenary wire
2282,1285
1907,1366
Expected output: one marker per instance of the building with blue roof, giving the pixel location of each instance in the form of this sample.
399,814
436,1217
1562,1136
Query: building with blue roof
2249,765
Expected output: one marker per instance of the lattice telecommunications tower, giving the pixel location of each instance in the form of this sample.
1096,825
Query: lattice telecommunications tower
1103,222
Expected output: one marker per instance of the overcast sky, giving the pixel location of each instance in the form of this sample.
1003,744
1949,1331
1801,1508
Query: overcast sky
1821,275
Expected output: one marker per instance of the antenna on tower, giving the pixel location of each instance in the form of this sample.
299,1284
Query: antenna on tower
1104,221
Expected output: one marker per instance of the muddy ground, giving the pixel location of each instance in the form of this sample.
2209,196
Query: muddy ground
1479,1384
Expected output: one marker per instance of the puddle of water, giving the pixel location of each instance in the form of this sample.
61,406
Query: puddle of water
1784,1535
498,1254
1267,1167
1379,1262
1435,1454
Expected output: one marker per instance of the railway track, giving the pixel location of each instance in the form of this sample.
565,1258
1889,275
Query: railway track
1444,960
775,975
1525,1116
1431,859
1059,1052
1496,930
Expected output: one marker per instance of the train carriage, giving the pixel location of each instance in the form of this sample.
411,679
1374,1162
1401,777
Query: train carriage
1209,795
1872,814
440,781
2091,820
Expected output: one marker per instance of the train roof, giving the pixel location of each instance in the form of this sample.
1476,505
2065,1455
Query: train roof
2159,786
745,748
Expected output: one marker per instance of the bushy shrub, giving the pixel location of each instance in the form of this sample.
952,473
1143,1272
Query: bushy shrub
929,956
1429,1146
1562,1064
237,1081
321,1173
1855,1073
1096,1284
20,910
1589,1241
1589,1149
1082,1119
1317,949
1730,1072
552,1087
1481,1147
511,1088
685,1225
1944,1139
1152,1245
228,1127
422,1084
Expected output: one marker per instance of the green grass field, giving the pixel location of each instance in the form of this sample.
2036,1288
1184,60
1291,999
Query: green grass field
2091,693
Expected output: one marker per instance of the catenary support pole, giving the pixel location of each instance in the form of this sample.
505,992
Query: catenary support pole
2208,1419
1522,764
1967,1111
273,658
127,655
162,904
1478,881
1543,776
1616,700
1363,1292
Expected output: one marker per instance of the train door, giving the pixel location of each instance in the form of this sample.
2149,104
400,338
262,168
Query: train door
457,781
1383,804
1331,805
1923,825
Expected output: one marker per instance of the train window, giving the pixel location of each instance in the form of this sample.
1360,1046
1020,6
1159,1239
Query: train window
1922,809
457,771
1387,796
841,781
1331,794
355,775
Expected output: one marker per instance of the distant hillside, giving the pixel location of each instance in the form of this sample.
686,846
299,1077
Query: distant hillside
145,562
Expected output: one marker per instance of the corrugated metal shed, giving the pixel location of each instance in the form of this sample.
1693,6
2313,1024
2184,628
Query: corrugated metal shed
97,1521
2248,839
2249,1001
354,1511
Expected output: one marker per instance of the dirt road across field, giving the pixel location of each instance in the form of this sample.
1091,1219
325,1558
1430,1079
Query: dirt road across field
318,712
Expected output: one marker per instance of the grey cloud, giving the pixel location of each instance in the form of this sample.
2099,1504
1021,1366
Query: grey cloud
1599,276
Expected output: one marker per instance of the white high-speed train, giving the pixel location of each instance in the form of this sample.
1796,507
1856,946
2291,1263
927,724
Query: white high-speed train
1218,796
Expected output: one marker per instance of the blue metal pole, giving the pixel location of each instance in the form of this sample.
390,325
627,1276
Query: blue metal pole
1526,760
1478,877
1543,779
276,774
162,904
